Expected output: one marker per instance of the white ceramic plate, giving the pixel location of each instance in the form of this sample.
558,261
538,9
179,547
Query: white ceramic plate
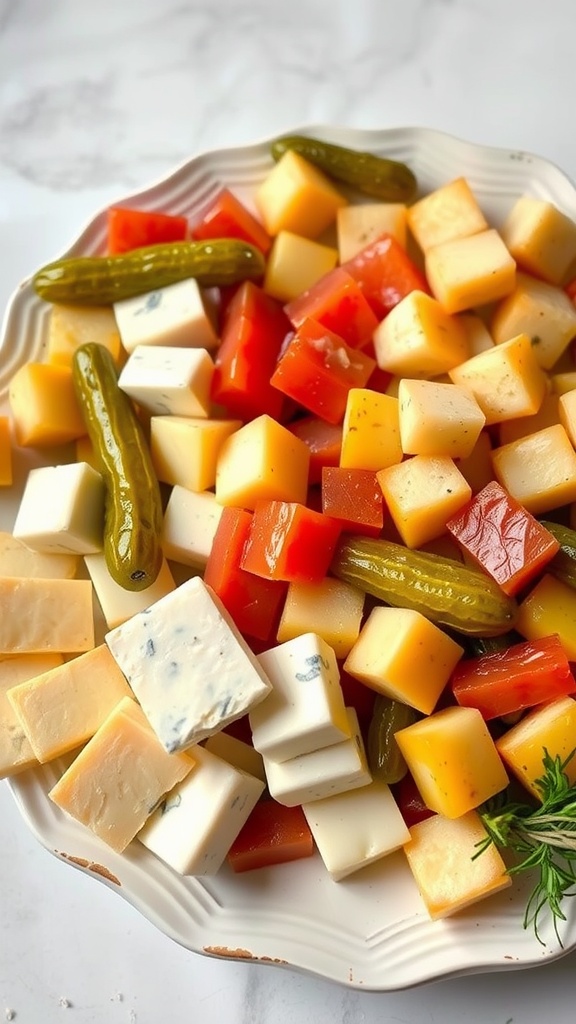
370,930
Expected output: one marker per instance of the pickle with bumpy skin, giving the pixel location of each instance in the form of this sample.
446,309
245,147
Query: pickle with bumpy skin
445,591
102,280
385,759
563,565
133,507
376,176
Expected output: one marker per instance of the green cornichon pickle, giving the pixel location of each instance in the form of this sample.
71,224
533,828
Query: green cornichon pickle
445,591
133,507
376,176
384,757
102,280
563,565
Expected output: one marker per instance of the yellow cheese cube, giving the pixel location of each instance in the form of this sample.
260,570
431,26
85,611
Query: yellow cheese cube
567,414
541,311
262,460
370,431
550,727
477,334
550,607
438,419
359,225
547,416
296,196
453,759
5,452
64,706
16,754
541,238
422,494
477,468
40,615
69,327
506,380
442,857
403,655
295,264
332,609
18,560
538,470
119,777
185,449
419,339
449,212
472,271
44,405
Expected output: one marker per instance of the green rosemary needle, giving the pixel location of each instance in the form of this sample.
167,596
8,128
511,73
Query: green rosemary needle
544,836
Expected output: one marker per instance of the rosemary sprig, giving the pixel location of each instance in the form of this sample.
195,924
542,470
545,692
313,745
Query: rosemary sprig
544,836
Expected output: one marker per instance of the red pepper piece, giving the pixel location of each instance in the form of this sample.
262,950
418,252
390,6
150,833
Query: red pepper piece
229,218
385,274
273,834
337,302
503,538
131,229
324,441
288,541
354,498
519,677
411,805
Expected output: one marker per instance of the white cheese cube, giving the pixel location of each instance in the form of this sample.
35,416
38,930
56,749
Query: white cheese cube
305,710
188,665
237,753
321,773
62,510
196,824
352,830
175,315
118,604
169,381
189,527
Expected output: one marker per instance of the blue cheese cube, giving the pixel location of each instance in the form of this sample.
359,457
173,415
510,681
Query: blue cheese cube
196,824
176,315
62,510
189,527
305,710
188,665
169,381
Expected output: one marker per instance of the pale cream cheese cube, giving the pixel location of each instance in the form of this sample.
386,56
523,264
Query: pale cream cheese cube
175,315
118,604
62,510
168,380
189,527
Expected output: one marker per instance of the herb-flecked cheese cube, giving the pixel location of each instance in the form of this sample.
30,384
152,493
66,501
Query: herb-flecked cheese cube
551,727
176,315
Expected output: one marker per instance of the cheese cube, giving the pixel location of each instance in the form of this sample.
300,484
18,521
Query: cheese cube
16,754
403,655
168,381
262,460
197,822
185,450
506,380
477,334
64,706
188,665
541,311
354,829
567,414
305,709
538,470
118,604
237,753
294,264
174,316
550,727
5,452
40,615
471,271
296,196
541,238
453,760
332,609
69,327
370,431
449,212
62,510
16,559
419,339
44,405
563,382
438,419
359,225
422,493
477,468
550,607
189,527
321,773
548,415
442,855
119,777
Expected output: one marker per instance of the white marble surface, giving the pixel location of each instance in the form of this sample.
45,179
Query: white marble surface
96,99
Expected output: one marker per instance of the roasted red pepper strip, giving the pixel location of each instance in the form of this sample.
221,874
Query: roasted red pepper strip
522,676
132,229
273,834
336,301
353,497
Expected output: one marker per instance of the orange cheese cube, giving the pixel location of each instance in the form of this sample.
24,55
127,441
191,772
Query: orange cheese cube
69,327
5,452
541,311
506,380
262,460
185,449
550,607
449,212
370,431
541,238
331,608
422,493
472,271
550,727
419,339
567,414
538,470
296,196
294,264
44,406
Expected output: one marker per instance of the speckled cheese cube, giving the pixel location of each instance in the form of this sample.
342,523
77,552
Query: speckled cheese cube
419,338
175,316
541,311
16,754
354,829
506,380
188,665
438,419
196,824
467,272
118,604
62,510
541,238
169,381
449,212
305,710
189,526
422,494
320,773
